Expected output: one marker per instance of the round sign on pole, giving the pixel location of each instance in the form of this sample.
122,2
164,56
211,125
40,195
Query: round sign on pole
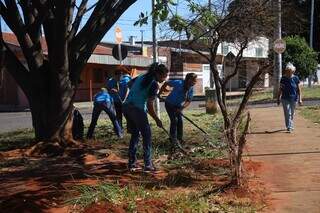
115,52
118,32
279,46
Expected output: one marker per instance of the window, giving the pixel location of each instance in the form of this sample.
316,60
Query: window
225,49
259,52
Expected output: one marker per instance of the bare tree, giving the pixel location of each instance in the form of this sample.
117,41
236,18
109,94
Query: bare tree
238,22
50,80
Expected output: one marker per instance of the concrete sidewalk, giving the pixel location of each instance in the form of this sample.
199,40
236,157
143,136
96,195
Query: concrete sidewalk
290,162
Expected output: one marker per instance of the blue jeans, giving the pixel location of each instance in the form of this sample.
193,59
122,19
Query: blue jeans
118,108
176,123
288,109
137,123
109,109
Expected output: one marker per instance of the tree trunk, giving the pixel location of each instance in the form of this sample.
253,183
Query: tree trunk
51,104
50,125
235,163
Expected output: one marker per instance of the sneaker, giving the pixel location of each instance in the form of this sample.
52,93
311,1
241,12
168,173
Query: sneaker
133,168
149,169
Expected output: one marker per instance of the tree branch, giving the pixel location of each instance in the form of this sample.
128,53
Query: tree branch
104,15
13,19
248,91
237,63
77,20
13,66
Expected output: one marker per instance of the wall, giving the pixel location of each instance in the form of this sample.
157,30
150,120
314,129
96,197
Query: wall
8,89
261,42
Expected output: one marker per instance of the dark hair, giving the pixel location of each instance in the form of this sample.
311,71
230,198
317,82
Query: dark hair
187,79
153,69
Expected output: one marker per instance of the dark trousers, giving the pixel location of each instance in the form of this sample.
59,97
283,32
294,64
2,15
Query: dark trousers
109,109
118,108
137,122
176,123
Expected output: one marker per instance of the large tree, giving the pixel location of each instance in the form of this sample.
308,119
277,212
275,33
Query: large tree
50,80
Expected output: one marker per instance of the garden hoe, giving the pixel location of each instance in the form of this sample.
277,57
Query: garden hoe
206,137
178,145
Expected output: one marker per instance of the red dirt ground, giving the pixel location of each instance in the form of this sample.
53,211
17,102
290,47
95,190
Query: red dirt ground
42,184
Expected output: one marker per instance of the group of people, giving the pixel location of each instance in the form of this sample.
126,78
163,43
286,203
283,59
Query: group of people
134,98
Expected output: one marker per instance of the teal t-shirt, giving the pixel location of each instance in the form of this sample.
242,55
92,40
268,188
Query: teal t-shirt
139,95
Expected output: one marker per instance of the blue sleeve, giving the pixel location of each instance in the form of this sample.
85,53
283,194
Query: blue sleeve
190,94
173,83
153,90
297,80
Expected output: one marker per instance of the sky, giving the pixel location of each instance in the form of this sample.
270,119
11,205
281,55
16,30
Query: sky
125,22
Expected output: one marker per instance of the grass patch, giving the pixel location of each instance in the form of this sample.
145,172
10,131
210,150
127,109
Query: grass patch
313,92
109,192
160,141
16,139
311,113
267,95
130,198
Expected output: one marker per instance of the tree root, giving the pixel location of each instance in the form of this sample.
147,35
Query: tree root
53,148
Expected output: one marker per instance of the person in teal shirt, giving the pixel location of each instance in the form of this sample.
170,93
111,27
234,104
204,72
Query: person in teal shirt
140,101
179,98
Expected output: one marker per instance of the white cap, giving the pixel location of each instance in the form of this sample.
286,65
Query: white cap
290,66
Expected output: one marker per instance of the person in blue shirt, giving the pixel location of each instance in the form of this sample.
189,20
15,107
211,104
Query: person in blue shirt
179,98
118,88
140,101
289,94
104,102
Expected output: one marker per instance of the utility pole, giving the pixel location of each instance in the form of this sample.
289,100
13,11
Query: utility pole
211,74
311,36
155,52
277,70
141,41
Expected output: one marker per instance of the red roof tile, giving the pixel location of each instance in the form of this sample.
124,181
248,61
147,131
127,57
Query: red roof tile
12,39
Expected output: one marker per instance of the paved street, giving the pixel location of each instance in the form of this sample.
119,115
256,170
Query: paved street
19,120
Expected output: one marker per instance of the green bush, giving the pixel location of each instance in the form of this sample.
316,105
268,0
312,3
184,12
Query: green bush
301,55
